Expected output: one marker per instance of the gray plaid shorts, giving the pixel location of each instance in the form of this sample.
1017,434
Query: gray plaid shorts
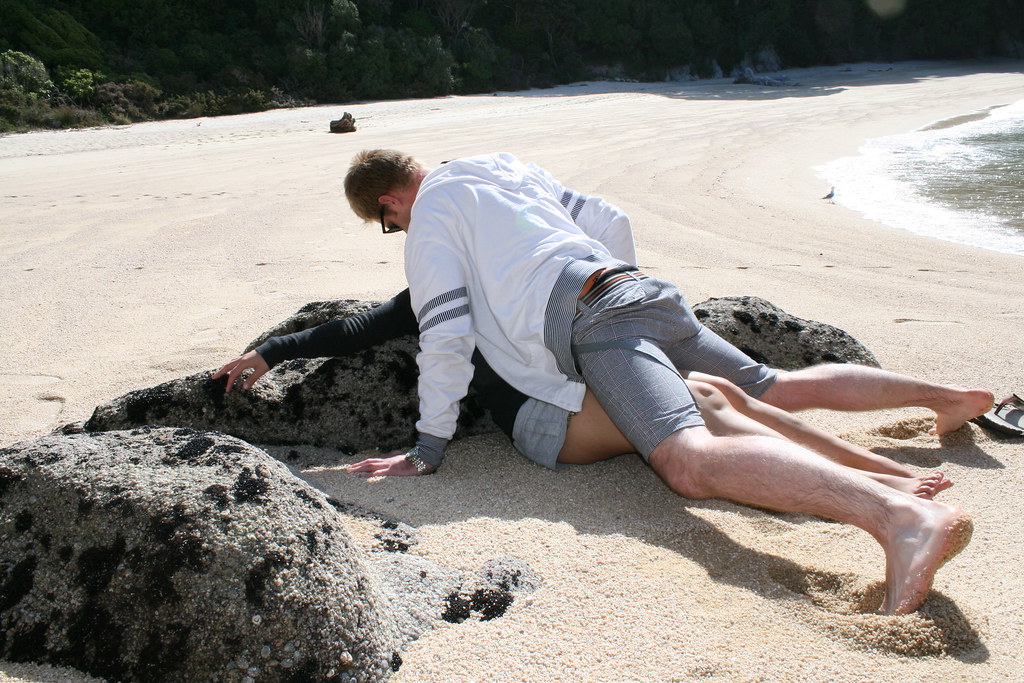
630,345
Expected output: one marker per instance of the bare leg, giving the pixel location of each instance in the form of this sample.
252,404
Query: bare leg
592,437
917,535
727,411
857,387
804,433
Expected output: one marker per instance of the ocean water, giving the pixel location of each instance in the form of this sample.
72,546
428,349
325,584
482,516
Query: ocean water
960,179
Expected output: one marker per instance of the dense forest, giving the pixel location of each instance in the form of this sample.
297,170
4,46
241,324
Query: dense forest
85,62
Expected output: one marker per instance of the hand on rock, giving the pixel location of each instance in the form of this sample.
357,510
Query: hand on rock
235,368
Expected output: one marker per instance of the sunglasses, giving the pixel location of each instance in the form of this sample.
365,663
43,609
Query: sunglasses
387,228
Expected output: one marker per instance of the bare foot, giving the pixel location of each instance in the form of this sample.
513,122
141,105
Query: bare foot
969,403
922,486
931,534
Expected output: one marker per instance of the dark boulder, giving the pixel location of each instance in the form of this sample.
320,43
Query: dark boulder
771,336
368,399
180,555
351,403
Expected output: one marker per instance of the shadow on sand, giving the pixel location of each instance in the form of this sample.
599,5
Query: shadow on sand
839,605
813,82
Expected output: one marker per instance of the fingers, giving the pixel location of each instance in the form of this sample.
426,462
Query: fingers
368,465
224,368
392,466
235,368
231,370
371,467
253,376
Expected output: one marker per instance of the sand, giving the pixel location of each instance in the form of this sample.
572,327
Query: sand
134,255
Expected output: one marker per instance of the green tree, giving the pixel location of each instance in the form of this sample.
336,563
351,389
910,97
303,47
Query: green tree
50,34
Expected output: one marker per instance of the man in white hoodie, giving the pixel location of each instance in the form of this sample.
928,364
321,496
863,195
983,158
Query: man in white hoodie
494,261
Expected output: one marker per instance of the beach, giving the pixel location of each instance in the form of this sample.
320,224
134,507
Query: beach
133,255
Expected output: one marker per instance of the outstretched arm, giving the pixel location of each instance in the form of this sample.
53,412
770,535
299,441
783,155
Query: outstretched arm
392,319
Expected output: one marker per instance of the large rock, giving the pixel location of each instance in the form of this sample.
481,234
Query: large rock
351,403
178,555
354,403
771,336
368,400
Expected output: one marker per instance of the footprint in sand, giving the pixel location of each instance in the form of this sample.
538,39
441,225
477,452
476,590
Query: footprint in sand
900,321
844,605
707,671
906,429
770,526
838,593
205,338
42,410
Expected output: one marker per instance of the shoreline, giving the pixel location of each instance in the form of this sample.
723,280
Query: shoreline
938,181
137,255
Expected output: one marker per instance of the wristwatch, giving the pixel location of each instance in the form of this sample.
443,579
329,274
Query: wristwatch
414,459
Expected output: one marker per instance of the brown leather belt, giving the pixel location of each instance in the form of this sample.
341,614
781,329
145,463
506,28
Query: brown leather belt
601,280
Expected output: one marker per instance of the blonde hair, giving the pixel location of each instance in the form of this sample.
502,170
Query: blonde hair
374,172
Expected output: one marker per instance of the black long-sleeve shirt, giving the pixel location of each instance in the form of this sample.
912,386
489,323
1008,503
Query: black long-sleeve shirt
392,319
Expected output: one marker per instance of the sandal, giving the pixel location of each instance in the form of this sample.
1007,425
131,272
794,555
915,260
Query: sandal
1007,417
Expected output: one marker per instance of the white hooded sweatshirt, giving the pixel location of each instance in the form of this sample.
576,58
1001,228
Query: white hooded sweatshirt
494,259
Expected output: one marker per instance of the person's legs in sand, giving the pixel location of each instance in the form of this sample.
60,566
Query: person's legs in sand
786,425
618,346
858,387
592,436
918,536
835,387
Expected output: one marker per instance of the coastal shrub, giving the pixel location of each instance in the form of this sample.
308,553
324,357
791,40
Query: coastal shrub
371,65
317,23
307,69
160,60
21,111
24,73
245,101
422,65
208,103
482,65
126,102
78,84
391,63
10,110
670,45
190,106
70,116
